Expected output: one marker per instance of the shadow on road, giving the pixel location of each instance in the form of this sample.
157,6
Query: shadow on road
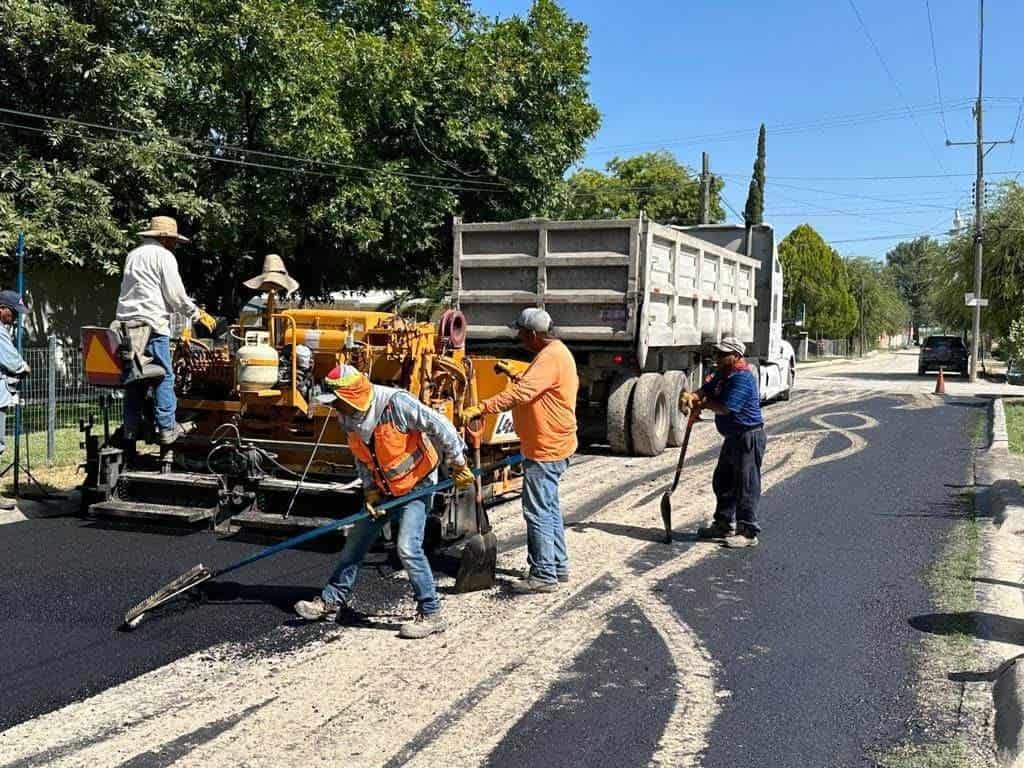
989,626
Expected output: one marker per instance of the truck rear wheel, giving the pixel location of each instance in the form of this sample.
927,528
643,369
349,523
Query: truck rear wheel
620,397
651,418
676,382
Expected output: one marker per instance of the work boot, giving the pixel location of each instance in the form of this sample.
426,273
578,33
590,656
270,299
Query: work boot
169,436
6,502
740,540
424,625
532,585
717,530
317,609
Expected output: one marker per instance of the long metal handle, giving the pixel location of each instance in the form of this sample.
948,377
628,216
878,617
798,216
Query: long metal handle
302,538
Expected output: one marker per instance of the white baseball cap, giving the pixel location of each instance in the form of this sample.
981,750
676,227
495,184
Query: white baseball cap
534,319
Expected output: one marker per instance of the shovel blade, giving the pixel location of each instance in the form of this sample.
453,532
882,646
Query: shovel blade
191,578
479,562
666,516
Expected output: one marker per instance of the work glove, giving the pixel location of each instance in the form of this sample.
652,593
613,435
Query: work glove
371,498
463,476
205,319
688,401
472,412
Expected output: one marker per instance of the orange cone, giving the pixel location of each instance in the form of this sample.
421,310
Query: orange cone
940,383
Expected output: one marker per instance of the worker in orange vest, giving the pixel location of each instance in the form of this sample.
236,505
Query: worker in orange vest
543,405
392,436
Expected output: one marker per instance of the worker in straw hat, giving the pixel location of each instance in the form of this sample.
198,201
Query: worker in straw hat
274,277
732,395
151,291
392,437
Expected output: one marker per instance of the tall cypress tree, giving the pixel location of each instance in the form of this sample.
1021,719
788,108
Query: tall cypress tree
754,212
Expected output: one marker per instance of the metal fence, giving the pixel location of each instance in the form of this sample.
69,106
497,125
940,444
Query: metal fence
823,349
54,397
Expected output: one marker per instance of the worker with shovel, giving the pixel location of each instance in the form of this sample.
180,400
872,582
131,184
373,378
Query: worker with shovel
543,405
392,436
732,395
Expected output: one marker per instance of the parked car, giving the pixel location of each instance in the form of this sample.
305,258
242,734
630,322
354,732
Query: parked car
947,352
1015,372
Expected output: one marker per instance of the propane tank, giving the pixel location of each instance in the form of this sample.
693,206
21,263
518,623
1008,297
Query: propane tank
256,363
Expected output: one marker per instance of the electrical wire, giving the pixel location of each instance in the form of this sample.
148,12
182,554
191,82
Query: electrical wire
935,65
895,83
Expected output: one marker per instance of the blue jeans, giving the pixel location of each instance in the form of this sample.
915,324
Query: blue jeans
411,519
546,554
164,402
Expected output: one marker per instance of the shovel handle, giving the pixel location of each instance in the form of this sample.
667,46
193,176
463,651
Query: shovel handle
334,525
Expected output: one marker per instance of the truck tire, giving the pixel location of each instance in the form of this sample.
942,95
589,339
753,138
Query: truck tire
676,382
790,381
620,397
651,417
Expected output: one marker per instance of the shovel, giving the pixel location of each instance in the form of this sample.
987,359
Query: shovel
480,553
198,574
666,498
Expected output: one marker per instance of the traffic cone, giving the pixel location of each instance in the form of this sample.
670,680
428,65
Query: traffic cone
940,383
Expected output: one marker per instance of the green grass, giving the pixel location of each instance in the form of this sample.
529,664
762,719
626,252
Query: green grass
1015,426
953,754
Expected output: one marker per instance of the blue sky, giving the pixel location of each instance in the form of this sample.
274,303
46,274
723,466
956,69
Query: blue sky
685,75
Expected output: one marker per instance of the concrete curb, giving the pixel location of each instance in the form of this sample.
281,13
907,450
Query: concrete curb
1003,499
834,361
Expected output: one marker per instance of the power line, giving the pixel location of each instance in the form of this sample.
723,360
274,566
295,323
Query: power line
238,149
895,83
846,194
935,65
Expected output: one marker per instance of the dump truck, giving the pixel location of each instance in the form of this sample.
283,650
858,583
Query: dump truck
638,303
264,457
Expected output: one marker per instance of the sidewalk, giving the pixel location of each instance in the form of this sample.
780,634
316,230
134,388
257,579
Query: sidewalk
839,360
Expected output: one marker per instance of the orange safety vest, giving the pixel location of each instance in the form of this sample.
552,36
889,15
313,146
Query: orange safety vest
398,461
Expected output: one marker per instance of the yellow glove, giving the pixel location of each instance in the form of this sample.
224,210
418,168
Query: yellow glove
462,476
472,412
371,498
205,319
688,401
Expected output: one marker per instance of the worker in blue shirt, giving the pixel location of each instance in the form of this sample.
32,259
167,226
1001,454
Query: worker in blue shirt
731,394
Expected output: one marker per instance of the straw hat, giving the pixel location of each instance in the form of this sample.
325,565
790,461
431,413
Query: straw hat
163,226
274,276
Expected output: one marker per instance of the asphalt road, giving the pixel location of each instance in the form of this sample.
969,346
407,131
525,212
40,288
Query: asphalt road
810,630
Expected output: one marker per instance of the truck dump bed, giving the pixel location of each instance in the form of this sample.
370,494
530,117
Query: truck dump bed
605,283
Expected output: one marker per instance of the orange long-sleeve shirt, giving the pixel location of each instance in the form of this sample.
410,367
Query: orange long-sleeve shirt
543,405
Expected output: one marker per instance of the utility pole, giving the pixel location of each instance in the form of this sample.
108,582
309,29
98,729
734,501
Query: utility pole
705,189
979,194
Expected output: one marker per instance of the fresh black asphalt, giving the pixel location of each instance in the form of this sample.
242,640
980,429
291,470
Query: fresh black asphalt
811,631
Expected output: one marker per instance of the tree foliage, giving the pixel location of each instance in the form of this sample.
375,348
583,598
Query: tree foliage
336,134
952,269
911,265
816,277
654,182
754,212
880,307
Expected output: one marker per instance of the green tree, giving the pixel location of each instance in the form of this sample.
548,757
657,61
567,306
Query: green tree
337,134
816,278
880,307
952,269
654,182
911,263
754,211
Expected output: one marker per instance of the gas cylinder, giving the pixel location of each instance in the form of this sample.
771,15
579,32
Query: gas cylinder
256,363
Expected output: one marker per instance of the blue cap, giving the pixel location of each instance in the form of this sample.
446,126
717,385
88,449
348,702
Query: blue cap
13,300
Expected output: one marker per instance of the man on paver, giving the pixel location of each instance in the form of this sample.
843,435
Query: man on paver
543,404
732,395
151,291
12,368
392,436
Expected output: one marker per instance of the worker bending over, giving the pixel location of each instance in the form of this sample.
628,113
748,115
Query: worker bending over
392,436
543,405
151,291
732,395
